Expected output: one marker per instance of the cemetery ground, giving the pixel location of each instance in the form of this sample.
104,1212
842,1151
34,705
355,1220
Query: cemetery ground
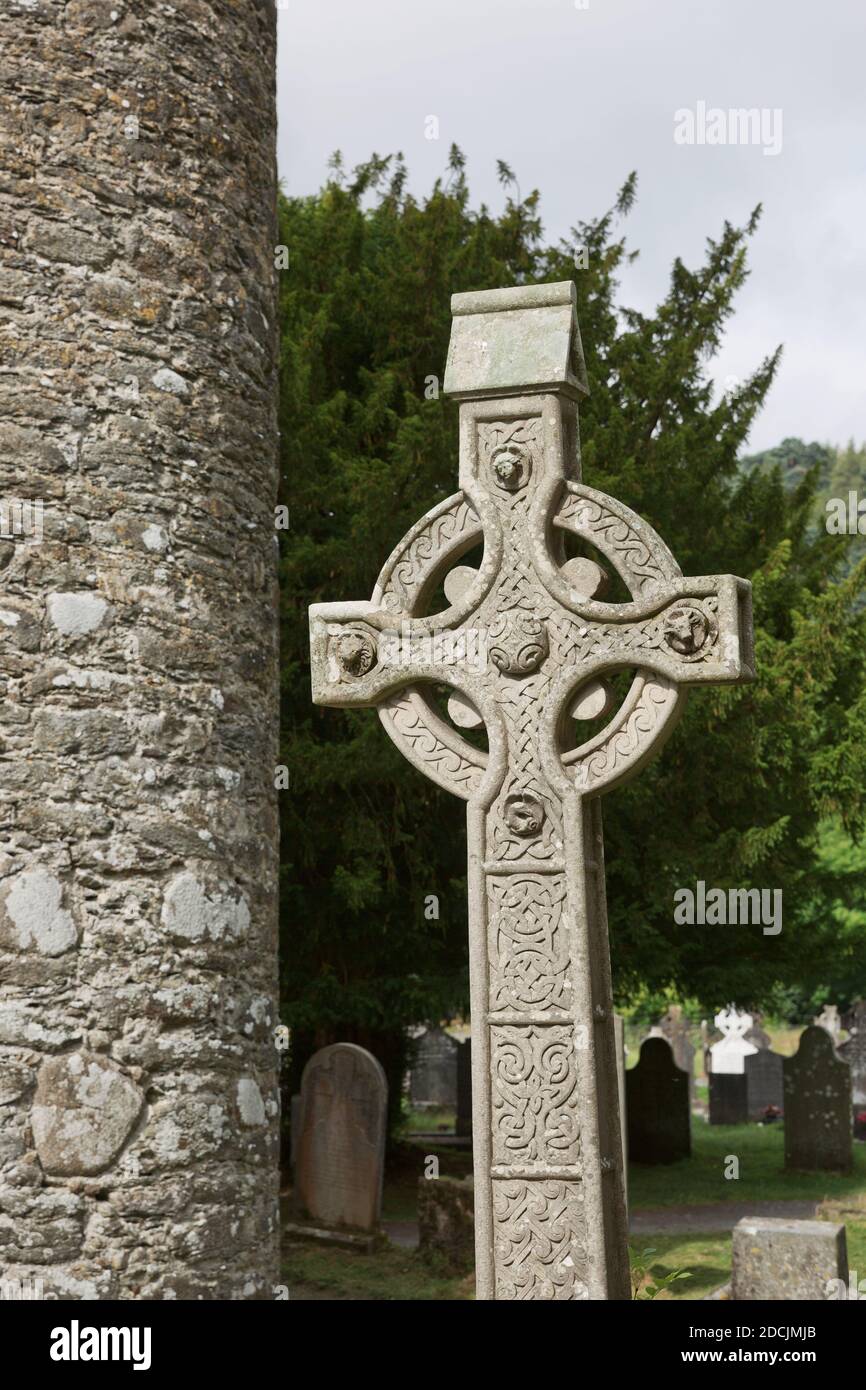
684,1212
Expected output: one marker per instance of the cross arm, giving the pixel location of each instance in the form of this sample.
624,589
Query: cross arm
695,631
358,656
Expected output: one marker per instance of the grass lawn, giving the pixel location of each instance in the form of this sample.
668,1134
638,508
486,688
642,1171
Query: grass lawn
385,1276
401,1275
393,1274
762,1178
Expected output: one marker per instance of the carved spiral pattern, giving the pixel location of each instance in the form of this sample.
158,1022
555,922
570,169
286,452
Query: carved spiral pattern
534,1096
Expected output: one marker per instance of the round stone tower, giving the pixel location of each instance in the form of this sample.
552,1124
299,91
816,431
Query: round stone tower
138,649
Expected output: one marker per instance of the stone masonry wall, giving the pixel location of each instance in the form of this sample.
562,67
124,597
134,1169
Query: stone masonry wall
138,662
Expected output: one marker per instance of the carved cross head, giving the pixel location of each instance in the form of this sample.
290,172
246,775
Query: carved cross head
527,627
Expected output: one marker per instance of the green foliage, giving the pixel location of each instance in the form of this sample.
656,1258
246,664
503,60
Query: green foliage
368,446
641,1270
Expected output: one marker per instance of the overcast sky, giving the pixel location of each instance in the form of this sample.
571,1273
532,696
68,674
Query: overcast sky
573,98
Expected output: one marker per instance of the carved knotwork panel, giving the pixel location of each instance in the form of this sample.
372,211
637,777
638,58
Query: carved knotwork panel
528,947
540,1240
534,1072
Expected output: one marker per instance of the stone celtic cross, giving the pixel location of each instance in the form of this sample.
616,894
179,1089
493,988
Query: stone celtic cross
526,645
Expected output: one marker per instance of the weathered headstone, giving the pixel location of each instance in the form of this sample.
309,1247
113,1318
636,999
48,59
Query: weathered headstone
340,1156
657,1106
463,1118
853,1051
817,1106
729,1054
728,1101
757,1035
774,1258
675,1027
855,1017
433,1079
527,647
765,1090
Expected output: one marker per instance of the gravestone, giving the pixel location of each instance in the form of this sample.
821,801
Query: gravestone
657,1106
764,1083
729,1054
433,1079
774,1258
341,1147
817,1106
527,645
757,1035
675,1027
729,1102
829,1019
463,1119
853,1051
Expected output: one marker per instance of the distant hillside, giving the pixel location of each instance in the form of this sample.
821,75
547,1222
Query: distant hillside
840,471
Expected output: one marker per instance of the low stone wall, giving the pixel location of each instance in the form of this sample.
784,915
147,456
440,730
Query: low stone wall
446,1221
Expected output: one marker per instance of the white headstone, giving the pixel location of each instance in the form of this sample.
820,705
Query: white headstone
729,1055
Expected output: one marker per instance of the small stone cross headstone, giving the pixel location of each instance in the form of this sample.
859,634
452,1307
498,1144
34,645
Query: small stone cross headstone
829,1019
433,1079
340,1154
729,1054
657,1106
817,1106
527,644
765,1091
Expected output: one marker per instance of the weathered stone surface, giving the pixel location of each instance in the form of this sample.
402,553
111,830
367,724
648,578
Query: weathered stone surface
138,655
621,1050
340,1155
657,1106
853,1051
525,643
32,917
817,1105
83,1113
765,1089
791,1260
446,1222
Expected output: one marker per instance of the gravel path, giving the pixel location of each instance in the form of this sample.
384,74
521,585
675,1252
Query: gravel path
714,1216
717,1216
